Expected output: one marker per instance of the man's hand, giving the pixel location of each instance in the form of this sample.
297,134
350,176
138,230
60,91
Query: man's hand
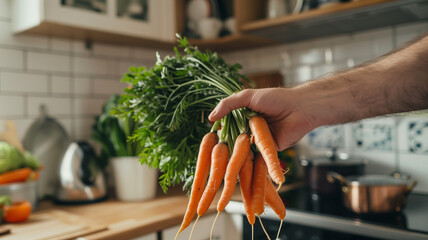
279,106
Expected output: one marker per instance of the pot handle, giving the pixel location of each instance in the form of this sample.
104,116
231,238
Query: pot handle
333,176
411,186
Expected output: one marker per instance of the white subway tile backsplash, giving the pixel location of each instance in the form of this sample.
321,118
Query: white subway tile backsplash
93,66
88,106
143,53
54,105
48,62
21,40
21,125
323,70
11,58
11,106
78,47
5,9
102,49
83,128
23,82
66,123
308,56
82,86
358,49
382,46
302,74
60,44
60,84
108,87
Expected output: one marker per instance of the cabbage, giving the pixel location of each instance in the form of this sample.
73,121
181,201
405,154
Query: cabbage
10,157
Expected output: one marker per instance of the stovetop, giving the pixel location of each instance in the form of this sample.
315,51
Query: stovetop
413,218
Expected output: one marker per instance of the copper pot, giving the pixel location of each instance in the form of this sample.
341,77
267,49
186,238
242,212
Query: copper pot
376,194
317,168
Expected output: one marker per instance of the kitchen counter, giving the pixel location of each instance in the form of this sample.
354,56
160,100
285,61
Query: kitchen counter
307,210
127,220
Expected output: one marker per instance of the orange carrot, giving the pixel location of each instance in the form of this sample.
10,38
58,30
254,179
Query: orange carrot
201,175
240,152
274,201
267,147
246,184
18,175
220,157
259,188
259,185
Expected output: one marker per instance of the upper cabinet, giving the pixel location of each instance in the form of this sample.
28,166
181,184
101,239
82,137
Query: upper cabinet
141,22
333,17
220,25
267,22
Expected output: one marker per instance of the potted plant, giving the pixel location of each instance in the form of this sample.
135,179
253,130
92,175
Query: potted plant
133,181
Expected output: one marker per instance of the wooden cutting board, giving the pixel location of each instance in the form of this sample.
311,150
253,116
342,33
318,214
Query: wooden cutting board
51,224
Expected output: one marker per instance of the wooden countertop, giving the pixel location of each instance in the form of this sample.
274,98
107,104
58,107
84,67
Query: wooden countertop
126,220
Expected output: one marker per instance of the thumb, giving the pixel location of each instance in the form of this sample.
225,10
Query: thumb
235,101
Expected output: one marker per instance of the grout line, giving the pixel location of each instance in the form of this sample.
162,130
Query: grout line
49,77
26,114
25,63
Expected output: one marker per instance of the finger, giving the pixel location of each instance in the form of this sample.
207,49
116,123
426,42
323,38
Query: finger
235,101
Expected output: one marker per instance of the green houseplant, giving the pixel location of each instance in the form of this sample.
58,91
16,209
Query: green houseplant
133,181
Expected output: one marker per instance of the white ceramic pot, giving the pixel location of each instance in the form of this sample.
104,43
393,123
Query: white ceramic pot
133,181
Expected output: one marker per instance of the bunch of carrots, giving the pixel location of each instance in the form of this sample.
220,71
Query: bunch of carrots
167,100
255,171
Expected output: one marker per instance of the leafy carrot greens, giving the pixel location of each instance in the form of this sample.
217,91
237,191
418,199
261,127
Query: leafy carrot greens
172,100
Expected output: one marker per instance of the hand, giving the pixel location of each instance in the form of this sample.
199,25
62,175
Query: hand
280,108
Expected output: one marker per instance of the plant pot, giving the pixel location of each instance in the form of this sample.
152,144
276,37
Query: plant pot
133,181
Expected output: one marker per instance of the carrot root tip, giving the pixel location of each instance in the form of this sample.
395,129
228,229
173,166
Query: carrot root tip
212,228
279,229
193,228
279,186
263,227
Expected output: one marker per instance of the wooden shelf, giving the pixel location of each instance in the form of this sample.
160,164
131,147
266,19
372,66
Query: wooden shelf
338,18
62,31
231,42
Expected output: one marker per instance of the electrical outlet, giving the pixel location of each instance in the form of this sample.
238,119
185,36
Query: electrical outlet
327,137
374,135
417,136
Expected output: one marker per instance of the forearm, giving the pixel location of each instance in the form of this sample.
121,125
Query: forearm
395,83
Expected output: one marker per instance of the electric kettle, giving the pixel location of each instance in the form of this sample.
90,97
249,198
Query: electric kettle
80,179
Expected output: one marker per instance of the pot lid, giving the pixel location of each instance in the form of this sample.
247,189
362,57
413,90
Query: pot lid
377,180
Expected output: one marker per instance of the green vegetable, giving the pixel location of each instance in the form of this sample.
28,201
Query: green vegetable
10,157
172,100
113,132
31,161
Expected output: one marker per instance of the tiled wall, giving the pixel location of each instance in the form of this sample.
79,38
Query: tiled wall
374,139
70,79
